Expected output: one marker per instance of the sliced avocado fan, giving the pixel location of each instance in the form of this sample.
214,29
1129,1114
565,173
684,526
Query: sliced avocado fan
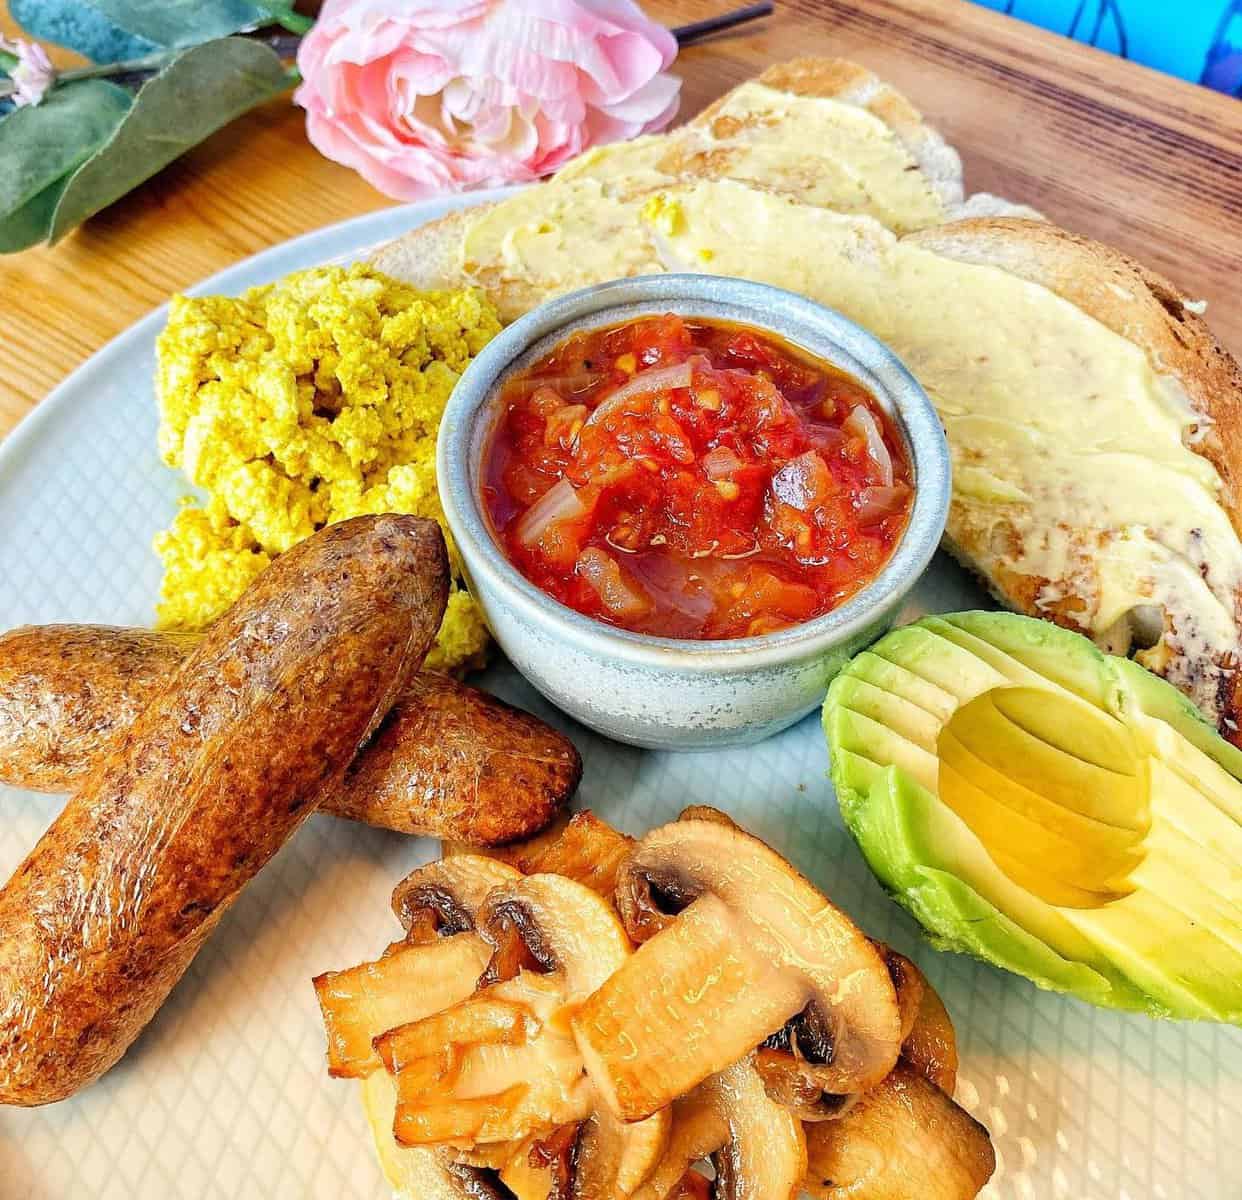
1053,810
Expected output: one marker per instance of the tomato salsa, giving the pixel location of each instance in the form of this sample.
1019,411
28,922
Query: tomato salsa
691,478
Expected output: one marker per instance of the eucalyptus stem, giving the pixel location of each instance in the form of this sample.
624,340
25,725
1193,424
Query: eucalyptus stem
295,22
285,44
132,66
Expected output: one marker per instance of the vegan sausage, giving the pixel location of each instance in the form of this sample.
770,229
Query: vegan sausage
450,761
212,777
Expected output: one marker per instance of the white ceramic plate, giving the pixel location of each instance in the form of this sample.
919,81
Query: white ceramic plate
226,1094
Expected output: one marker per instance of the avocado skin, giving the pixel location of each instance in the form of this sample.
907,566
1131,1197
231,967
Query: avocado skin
914,845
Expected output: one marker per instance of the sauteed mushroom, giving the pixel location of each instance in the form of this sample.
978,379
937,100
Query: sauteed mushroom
419,1172
503,1065
903,1138
931,1045
584,848
757,1147
737,944
444,897
611,1160
795,1064
414,978
438,905
601,1159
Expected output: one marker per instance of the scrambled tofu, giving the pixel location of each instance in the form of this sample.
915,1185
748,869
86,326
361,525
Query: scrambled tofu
302,403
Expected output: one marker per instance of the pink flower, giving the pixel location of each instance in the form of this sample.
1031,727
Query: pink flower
428,96
34,72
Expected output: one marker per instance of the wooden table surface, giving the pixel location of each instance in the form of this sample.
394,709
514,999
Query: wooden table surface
1103,147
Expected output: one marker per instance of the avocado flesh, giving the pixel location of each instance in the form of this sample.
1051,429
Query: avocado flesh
902,828
1069,821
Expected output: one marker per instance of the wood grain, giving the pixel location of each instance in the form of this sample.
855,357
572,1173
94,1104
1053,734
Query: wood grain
1104,147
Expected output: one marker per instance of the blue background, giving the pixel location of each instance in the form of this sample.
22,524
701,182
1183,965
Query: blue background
1200,40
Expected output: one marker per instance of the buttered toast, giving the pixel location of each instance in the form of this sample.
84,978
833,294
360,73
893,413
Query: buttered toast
1091,415
827,132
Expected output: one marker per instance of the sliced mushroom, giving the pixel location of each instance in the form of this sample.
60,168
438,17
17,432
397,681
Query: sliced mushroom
704,812
902,1139
909,983
540,1168
757,1147
737,943
419,1173
494,1156
612,1159
791,1082
931,1045
412,982
503,1065
415,979
584,849
795,1064
444,897
693,1186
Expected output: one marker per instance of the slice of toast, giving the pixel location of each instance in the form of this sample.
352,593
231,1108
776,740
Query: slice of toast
827,131
1092,417
1204,382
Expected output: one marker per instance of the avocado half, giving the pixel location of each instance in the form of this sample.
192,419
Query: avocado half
1053,810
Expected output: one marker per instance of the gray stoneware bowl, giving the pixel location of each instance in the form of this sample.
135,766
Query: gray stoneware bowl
660,692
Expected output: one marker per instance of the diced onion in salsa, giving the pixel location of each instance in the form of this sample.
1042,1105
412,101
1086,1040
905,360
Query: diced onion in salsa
646,383
558,505
861,420
694,479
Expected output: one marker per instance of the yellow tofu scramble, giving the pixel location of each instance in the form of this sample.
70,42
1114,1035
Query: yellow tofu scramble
305,402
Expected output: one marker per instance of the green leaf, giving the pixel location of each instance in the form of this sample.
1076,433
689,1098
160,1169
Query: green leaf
29,224
78,26
182,22
197,93
42,143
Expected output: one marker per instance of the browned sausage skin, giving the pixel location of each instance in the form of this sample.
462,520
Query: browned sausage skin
456,763
450,761
67,690
215,773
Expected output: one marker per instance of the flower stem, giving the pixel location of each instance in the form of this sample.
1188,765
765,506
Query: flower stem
696,30
8,61
132,66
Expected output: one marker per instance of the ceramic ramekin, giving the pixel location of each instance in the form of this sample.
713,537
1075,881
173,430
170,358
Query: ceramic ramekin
660,692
